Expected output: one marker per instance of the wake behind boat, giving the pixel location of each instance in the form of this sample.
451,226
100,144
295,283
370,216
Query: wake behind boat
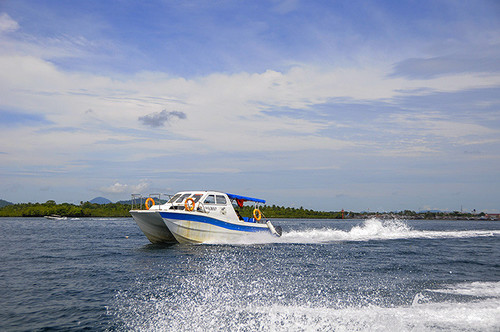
201,216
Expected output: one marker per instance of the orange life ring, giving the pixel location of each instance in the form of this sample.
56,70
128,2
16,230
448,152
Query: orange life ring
149,200
257,214
189,206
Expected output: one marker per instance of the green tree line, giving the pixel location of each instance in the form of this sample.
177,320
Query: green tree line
65,209
122,210
273,211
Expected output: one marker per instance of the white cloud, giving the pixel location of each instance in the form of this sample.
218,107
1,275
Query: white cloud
119,188
7,24
227,112
436,124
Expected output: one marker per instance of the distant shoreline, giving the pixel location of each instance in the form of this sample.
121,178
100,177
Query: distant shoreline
121,210
291,218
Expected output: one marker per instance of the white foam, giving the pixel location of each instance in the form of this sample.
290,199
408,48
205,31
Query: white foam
482,289
222,311
249,238
479,316
371,229
376,229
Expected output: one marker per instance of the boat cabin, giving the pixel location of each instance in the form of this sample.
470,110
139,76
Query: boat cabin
210,202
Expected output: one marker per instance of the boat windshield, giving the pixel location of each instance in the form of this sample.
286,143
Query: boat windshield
182,198
196,197
174,198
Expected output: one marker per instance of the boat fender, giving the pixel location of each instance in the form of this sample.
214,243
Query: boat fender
189,204
149,200
272,229
257,214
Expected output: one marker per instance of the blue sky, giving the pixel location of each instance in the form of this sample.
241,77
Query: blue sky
361,105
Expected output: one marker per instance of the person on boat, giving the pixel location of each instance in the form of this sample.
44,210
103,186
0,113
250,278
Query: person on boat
239,215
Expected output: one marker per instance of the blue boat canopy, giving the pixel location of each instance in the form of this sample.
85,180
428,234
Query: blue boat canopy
244,198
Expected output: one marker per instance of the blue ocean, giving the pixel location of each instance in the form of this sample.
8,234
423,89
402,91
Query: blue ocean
321,275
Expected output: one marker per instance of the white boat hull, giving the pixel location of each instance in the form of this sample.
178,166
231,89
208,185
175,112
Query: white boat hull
152,225
197,227
56,218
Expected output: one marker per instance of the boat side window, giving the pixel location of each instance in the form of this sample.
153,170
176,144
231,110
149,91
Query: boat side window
182,198
196,197
174,198
221,200
210,199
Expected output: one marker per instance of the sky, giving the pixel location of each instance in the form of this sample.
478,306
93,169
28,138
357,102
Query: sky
326,105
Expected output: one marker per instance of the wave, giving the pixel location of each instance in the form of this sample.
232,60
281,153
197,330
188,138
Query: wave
219,312
480,315
371,229
376,229
477,316
486,289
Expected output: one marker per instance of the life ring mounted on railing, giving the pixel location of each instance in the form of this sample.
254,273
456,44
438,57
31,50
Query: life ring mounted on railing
257,214
149,200
189,204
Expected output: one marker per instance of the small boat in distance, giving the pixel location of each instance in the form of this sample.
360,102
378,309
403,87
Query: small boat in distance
201,216
56,217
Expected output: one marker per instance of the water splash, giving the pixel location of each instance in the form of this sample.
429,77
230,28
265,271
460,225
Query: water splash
221,288
371,229
486,289
219,312
419,299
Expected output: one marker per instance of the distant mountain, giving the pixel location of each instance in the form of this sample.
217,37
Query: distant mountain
4,203
100,200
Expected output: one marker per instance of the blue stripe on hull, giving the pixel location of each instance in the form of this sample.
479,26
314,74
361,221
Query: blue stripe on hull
212,221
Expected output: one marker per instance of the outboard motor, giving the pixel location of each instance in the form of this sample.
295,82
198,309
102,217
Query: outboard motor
276,231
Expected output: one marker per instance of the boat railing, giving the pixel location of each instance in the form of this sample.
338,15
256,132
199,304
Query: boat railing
202,207
138,200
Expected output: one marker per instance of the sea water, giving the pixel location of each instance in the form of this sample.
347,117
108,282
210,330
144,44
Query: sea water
330,275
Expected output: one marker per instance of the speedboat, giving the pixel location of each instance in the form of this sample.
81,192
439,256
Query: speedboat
201,216
56,217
